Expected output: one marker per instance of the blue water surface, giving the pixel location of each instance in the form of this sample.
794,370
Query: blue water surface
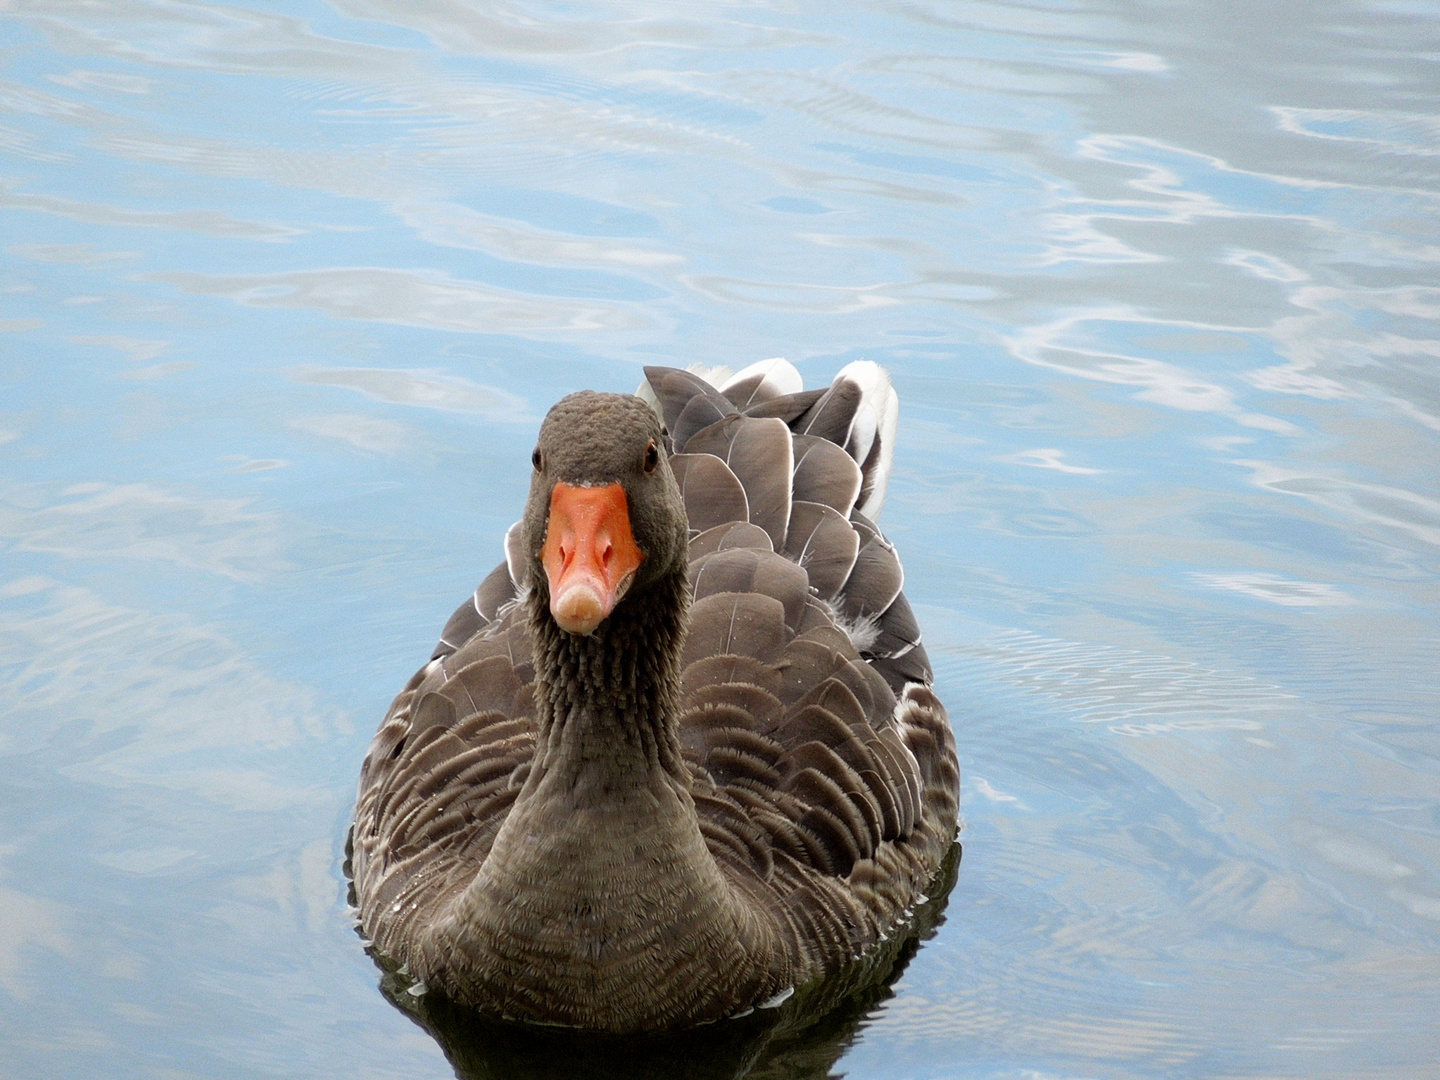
287,287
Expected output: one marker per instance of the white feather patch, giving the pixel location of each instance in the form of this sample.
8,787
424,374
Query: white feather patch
906,706
713,375
780,378
778,1000
515,558
863,632
877,417
646,393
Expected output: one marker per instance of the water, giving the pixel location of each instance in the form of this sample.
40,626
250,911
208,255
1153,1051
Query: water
286,289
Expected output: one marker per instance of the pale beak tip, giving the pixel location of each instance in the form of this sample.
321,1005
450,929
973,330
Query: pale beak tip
578,610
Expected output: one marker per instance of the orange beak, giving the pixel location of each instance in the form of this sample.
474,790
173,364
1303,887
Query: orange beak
590,556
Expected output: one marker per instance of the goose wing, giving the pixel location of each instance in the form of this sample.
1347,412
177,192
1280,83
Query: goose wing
812,483
824,767
448,761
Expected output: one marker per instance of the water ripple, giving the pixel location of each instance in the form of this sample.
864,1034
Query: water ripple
1133,693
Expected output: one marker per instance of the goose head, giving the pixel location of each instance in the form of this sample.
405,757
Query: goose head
604,521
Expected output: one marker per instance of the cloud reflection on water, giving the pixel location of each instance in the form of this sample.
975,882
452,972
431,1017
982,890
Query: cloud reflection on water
422,389
98,520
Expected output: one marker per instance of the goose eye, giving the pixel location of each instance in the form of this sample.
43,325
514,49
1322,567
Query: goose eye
535,459
652,457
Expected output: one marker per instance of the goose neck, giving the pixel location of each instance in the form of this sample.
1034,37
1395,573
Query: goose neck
607,700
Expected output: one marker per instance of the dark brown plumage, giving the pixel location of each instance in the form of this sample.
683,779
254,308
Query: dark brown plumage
738,782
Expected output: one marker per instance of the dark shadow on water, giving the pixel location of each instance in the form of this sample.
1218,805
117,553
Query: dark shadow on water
800,1040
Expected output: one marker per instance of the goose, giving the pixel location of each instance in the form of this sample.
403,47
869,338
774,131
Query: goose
679,754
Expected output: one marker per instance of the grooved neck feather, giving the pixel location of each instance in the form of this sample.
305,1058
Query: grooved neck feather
606,700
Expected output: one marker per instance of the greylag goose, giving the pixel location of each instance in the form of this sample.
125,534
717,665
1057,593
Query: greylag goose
679,753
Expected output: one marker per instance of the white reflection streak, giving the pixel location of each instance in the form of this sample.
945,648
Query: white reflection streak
1326,336
1149,63
791,296
1161,383
1047,458
208,37
1426,906
1161,181
453,225
362,432
840,107
423,389
1360,856
985,788
139,521
1265,266
145,860
72,254
104,80
23,144
510,30
206,222
136,350
157,371
1424,130
1275,589
423,298
1377,504
1080,240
